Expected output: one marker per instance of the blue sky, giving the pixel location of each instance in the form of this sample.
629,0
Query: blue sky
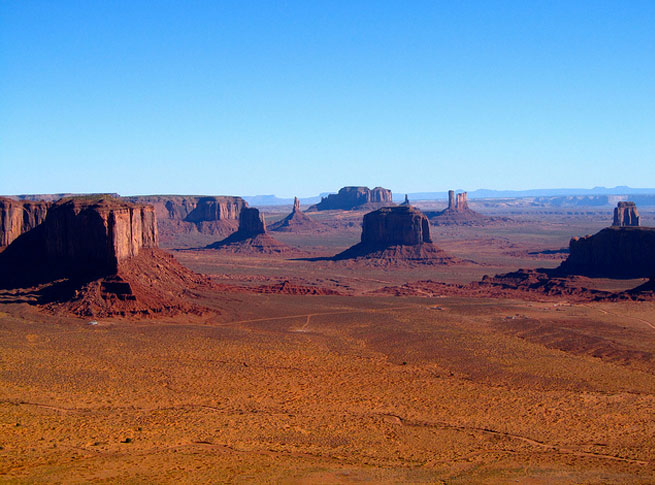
297,98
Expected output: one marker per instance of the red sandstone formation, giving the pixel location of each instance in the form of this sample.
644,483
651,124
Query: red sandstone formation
18,217
457,212
251,238
396,236
189,214
354,198
98,257
297,221
614,252
625,214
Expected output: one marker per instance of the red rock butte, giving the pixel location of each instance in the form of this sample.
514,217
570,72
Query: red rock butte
396,236
251,237
100,257
626,214
457,212
614,252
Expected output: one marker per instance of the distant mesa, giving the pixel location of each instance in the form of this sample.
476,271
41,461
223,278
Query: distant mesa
355,198
396,236
251,237
626,215
98,257
19,216
297,221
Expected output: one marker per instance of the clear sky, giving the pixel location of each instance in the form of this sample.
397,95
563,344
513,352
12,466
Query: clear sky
296,98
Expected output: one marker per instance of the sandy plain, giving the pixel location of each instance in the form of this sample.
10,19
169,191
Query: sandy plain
353,388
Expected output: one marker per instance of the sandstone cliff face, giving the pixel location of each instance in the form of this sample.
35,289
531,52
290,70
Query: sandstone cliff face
192,208
181,217
216,209
625,214
614,252
81,238
350,198
395,225
251,222
18,217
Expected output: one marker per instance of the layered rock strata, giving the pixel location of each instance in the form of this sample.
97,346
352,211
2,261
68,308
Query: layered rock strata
352,198
99,257
82,238
18,217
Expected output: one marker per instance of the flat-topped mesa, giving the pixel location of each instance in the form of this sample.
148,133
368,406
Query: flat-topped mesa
82,238
97,235
625,214
404,225
19,216
349,198
216,209
296,221
614,252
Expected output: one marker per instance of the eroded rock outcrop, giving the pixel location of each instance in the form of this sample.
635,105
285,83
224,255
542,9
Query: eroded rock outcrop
625,214
251,237
98,257
396,236
82,238
614,252
18,217
459,213
179,215
352,198
297,221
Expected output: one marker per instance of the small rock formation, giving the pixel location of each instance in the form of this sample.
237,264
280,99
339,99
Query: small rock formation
625,214
297,221
396,235
614,252
406,201
18,217
352,198
97,256
251,237
457,212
